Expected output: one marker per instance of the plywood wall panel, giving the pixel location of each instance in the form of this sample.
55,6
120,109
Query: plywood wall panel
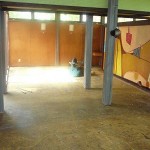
35,47
98,44
96,37
29,45
19,42
42,49
52,42
71,43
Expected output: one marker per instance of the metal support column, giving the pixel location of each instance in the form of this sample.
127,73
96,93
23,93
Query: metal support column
57,38
88,51
102,20
110,42
5,50
1,63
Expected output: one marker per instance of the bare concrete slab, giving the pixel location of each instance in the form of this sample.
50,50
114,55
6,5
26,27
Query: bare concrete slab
46,114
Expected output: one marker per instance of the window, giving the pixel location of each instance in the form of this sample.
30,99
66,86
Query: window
44,16
19,15
120,19
140,19
84,18
95,18
105,20
125,19
69,17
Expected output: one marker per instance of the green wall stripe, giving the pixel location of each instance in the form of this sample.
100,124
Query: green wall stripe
137,5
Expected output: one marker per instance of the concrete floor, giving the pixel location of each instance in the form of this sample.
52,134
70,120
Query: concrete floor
43,114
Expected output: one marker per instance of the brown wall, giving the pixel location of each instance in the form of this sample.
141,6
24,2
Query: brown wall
71,43
31,45
37,48
19,42
98,44
42,45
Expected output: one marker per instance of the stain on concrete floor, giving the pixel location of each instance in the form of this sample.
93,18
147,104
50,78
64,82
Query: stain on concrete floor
65,116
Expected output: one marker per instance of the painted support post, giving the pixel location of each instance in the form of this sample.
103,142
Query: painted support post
1,64
102,20
57,38
5,50
110,42
88,52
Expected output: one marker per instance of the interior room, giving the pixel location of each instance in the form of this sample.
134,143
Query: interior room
45,104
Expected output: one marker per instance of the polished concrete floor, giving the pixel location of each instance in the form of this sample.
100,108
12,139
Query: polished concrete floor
46,114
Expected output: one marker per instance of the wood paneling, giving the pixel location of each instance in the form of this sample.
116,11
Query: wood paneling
29,46
34,47
19,42
98,44
42,45
71,43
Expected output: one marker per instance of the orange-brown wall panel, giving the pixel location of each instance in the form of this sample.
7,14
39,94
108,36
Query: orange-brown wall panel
52,42
34,47
31,45
96,37
71,43
19,42
42,49
98,43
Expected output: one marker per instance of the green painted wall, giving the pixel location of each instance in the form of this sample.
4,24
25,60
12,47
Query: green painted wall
139,5
82,3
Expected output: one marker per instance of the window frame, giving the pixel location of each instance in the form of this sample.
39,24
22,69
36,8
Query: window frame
20,18
70,20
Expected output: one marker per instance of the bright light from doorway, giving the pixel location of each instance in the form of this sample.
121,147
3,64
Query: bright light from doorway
36,75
